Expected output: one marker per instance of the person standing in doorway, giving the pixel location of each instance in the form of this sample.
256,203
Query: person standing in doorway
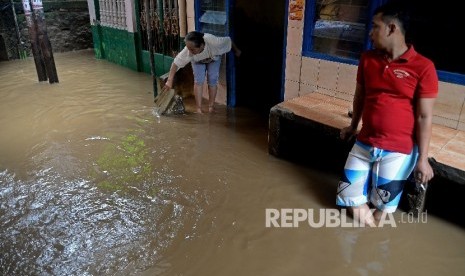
394,99
204,51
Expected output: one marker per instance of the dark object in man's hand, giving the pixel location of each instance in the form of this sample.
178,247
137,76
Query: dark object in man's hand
416,195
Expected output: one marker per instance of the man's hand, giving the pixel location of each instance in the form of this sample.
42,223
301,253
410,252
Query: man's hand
347,133
423,171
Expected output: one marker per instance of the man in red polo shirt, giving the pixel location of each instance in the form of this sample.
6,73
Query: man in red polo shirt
394,98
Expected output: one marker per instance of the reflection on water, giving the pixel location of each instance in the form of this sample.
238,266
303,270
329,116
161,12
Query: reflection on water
92,182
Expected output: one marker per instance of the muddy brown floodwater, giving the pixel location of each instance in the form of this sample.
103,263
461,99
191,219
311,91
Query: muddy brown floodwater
92,182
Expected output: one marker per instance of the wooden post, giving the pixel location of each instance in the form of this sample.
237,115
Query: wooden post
39,61
149,5
44,42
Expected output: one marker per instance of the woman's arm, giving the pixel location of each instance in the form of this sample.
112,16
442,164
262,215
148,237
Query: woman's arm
169,81
236,50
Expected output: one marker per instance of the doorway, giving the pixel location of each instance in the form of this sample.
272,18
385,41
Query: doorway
258,30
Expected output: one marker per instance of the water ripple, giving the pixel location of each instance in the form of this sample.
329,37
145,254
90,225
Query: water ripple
54,226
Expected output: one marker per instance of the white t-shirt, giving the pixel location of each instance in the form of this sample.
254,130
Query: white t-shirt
214,47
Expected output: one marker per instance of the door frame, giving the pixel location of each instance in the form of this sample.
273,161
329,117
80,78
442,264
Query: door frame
230,57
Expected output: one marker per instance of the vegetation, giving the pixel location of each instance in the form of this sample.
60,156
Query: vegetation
123,166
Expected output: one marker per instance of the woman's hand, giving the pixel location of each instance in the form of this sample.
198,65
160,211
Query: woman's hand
168,85
237,52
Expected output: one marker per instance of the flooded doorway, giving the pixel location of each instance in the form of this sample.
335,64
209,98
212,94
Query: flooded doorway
258,29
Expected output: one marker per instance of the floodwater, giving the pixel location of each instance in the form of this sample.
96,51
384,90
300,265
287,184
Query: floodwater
92,182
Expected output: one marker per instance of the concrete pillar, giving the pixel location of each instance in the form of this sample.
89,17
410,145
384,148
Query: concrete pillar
130,16
92,14
182,18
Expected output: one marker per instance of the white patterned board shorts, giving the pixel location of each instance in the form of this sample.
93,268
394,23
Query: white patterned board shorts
375,175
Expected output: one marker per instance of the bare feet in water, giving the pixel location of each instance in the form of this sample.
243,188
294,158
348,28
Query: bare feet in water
211,109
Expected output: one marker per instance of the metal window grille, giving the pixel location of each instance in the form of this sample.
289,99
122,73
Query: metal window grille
164,15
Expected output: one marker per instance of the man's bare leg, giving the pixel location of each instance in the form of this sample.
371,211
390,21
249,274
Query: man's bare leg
212,90
198,97
363,214
378,214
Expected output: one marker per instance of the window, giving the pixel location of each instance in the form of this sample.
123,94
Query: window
340,27
337,30
212,17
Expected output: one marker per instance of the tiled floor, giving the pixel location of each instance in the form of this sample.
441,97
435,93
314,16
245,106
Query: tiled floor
447,145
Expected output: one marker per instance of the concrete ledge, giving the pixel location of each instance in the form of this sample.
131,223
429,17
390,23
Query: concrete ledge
296,137
306,130
447,172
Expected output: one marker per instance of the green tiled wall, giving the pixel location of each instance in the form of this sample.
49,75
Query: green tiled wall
118,46
162,63
122,47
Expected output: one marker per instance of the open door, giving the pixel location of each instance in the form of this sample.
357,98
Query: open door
258,30
257,27
213,16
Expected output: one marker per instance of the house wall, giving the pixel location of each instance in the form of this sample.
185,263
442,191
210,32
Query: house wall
305,75
116,42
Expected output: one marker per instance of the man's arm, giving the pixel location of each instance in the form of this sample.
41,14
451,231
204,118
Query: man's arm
423,126
358,103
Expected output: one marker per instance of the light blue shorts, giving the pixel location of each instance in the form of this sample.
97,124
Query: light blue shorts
211,69
375,175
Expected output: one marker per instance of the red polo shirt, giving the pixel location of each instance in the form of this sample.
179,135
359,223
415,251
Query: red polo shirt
391,90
